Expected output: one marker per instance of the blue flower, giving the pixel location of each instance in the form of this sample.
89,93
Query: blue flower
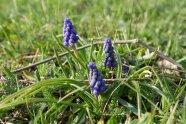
110,60
125,68
97,83
69,33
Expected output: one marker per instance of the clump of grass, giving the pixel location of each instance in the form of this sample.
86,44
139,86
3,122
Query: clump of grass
59,91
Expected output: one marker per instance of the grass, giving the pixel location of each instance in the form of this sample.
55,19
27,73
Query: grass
55,92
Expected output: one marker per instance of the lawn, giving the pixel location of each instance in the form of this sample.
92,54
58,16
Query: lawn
146,85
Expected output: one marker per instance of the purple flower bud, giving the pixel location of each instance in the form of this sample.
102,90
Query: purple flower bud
125,68
69,33
103,82
66,44
66,38
73,31
95,92
103,88
92,82
96,87
71,42
91,65
100,77
109,51
67,29
107,45
96,79
98,83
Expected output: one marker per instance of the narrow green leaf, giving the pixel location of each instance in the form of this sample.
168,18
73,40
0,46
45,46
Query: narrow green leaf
171,117
38,75
91,51
146,119
81,117
71,67
24,101
89,115
60,63
8,73
27,90
10,53
119,69
129,106
184,110
80,62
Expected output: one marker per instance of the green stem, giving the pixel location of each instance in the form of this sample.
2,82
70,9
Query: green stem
76,53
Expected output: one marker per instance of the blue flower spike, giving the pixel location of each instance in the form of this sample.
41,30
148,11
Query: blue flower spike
97,83
108,49
69,33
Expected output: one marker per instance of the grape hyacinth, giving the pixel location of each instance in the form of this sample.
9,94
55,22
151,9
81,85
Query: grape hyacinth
69,33
97,83
125,68
109,51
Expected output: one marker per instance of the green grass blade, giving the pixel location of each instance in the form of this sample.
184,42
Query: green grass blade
60,63
24,101
128,106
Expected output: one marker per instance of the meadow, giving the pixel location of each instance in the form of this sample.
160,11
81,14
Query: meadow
147,85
